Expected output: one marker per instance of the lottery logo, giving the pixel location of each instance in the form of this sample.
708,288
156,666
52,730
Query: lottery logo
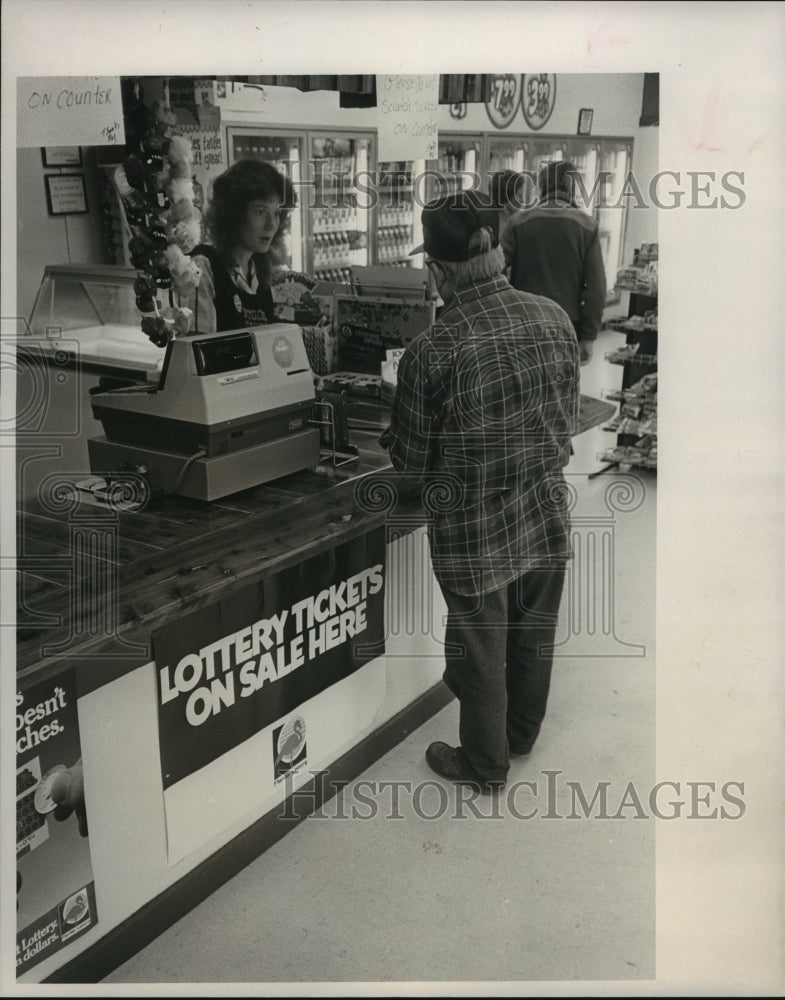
289,749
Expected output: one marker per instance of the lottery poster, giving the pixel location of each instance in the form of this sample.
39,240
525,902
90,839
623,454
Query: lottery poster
230,670
55,898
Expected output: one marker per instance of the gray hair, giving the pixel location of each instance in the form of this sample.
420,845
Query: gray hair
486,264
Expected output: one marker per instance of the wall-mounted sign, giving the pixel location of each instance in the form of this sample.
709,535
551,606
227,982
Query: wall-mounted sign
61,156
505,96
458,110
65,194
69,110
408,109
538,98
584,121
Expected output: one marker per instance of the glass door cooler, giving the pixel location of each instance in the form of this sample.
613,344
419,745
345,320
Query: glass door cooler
398,217
339,231
585,156
457,167
285,151
510,153
615,162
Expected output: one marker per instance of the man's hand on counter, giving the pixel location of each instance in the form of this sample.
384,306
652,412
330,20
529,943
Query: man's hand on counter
384,438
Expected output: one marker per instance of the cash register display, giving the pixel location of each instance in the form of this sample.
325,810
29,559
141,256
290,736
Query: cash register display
224,354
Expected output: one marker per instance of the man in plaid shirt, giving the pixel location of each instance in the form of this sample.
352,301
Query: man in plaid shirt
485,406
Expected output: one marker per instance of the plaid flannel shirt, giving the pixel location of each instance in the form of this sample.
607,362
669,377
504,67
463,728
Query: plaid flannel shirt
485,406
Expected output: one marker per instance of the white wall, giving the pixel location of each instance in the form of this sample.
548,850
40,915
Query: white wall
43,239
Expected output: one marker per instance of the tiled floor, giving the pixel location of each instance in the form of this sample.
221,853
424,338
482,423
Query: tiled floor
535,888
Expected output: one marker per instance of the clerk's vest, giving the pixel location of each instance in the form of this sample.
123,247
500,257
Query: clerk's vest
235,308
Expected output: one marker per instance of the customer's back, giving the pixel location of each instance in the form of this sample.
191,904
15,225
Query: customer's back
554,250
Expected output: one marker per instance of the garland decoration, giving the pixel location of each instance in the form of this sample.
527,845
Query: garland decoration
157,193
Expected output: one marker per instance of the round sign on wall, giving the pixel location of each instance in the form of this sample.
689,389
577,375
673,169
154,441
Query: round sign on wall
538,98
504,99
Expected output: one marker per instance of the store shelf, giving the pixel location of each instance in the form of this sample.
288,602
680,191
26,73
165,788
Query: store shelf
628,456
640,288
624,357
626,425
635,423
628,326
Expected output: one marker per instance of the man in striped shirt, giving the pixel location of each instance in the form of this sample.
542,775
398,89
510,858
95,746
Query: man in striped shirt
485,406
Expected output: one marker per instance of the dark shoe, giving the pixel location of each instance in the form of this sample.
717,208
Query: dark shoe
449,762
520,751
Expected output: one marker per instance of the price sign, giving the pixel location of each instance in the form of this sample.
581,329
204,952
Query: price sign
504,99
538,98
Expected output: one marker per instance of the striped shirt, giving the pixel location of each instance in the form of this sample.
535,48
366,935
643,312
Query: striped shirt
484,409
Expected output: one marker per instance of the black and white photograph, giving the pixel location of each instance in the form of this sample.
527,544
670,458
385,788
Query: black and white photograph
375,621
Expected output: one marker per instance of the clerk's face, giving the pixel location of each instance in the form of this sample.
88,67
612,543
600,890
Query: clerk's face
262,219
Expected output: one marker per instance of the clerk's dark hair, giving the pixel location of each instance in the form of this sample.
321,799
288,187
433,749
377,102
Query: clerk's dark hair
233,191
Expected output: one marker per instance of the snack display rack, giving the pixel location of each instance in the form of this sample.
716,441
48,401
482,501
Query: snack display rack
635,425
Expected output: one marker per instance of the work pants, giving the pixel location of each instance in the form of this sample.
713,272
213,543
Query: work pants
499,654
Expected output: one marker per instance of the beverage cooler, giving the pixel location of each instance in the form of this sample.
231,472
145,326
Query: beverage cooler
340,232
615,161
457,168
286,152
509,153
398,222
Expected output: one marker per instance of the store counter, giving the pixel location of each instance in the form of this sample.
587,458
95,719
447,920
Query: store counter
279,672
208,670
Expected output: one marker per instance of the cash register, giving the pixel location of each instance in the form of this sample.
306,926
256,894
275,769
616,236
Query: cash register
231,410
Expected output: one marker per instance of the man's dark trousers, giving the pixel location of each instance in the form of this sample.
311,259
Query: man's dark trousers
499,654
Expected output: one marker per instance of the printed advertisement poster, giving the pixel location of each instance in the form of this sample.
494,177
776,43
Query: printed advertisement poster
55,899
231,669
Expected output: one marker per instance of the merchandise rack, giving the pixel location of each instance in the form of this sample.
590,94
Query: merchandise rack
636,421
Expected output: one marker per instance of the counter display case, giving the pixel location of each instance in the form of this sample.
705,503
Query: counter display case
91,311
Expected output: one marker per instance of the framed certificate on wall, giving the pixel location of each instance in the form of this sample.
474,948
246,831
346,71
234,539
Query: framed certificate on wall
65,194
585,117
62,156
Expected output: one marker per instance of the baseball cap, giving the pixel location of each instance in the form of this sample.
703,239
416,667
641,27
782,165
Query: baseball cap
449,222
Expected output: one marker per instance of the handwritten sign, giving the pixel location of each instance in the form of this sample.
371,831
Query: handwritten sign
69,111
408,109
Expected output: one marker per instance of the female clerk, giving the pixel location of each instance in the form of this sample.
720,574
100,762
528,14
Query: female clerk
245,222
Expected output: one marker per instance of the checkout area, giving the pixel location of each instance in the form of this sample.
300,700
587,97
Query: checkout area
216,617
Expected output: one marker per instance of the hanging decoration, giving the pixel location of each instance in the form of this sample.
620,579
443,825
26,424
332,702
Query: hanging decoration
155,186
